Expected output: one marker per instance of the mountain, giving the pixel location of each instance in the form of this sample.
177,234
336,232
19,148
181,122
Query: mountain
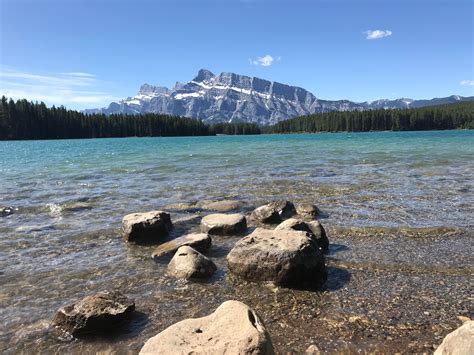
230,97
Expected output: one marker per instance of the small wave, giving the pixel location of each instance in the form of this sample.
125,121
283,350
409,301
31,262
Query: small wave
55,209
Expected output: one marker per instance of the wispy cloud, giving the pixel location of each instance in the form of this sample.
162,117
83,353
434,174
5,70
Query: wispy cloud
265,61
377,34
467,82
75,89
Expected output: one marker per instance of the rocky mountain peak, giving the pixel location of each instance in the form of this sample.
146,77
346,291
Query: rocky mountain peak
147,89
203,75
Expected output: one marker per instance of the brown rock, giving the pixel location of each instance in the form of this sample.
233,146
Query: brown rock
307,210
199,241
458,342
188,263
224,224
233,328
223,206
314,228
287,257
94,314
148,227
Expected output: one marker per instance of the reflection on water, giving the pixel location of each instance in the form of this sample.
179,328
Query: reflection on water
398,208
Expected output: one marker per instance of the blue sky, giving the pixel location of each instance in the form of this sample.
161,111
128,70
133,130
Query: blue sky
84,53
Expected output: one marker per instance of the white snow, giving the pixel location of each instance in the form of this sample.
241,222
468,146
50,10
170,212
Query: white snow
192,94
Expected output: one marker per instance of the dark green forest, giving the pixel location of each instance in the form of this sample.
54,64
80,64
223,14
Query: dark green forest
27,120
451,116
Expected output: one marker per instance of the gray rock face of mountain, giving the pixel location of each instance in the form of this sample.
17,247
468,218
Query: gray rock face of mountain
230,97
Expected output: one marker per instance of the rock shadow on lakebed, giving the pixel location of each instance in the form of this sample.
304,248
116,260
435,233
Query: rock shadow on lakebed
337,278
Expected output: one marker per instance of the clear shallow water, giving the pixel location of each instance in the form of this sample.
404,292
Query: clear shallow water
63,240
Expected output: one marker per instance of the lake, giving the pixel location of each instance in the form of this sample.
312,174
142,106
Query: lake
398,207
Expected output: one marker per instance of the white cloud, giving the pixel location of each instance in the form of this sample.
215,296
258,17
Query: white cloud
264,61
377,34
467,82
73,89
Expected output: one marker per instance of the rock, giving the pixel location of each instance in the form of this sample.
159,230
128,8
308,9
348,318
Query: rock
266,214
199,241
313,350
223,206
224,224
146,227
274,212
287,257
6,211
188,263
314,228
458,342
307,210
93,314
233,328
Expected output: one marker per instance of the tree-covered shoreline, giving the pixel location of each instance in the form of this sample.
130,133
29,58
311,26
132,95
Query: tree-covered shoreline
24,120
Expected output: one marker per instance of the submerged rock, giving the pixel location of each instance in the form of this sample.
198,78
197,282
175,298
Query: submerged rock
307,210
199,241
6,211
287,257
147,227
274,212
224,224
233,328
314,228
223,206
188,263
98,313
458,342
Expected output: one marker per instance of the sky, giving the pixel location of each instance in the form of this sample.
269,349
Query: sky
87,53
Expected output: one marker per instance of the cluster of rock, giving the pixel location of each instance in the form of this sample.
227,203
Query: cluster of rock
290,255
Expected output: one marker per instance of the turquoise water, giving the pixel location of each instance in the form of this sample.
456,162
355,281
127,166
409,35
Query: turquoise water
69,196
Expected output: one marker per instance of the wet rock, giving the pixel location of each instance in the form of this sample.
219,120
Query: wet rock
199,241
233,328
274,212
314,228
459,342
146,227
6,211
287,257
307,210
97,313
224,224
188,263
223,206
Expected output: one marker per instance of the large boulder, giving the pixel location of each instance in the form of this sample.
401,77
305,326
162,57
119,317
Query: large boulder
274,212
233,328
199,241
458,342
307,210
188,263
97,313
148,227
224,224
223,205
314,228
287,257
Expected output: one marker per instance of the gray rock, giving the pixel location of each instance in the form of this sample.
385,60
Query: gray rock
199,241
98,313
286,257
223,206
224,224
148,227
313,350
188,263
233,328
307,210
314,228
458,342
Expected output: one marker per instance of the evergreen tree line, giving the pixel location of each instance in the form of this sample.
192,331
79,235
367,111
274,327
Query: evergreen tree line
27,120
449,116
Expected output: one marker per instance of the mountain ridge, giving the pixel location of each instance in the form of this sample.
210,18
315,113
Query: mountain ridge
230,97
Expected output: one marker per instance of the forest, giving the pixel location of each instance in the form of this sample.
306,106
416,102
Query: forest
23,120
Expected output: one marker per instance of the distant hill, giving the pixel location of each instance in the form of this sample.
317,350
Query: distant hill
229,97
